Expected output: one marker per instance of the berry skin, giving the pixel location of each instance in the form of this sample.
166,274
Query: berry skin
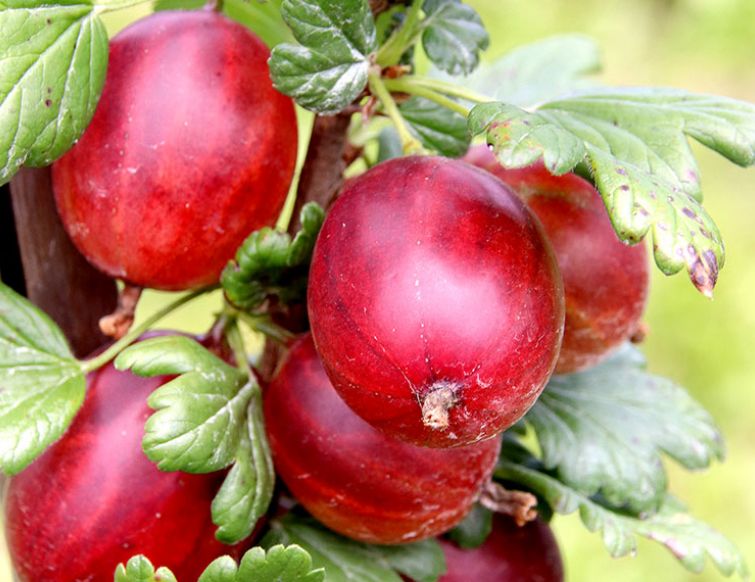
93,499
435,301
605,281
510,554
190,149
353,478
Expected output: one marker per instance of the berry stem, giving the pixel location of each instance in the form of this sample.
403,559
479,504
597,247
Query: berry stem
409,143
116,348
404,85
403,38
519,505
450,89
236,341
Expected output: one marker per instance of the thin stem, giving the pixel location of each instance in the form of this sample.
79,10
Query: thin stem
404,86
263,324
446,88
408,141
115,349
236,341
391,51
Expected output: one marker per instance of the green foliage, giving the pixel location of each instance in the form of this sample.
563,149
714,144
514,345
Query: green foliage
538,71
206,419
634,142
247,490
453,36
345,560
199,418
41,384
54,57
474,530
603,431
328,69
279,564
269,263
438,129
688,539
140,569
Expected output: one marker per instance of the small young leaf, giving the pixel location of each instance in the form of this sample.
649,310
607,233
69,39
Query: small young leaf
200,414
603,431
261,17
438,128
41,384
687,538
345,560
140,569
278,564
269,263
248,488
474,530
538,71
635,143
328,69
53,59
453,36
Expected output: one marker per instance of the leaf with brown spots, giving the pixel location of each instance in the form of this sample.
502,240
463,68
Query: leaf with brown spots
635,144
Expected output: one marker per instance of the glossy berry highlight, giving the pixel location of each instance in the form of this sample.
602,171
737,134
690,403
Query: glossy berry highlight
354,479
606,282
94,500
190,149
435,301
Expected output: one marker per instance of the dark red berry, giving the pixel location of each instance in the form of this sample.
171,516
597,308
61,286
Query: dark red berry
94,500
435,301
353,478
190,149
510,554
605,281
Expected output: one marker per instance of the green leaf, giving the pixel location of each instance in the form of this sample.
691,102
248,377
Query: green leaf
41,384
439,129
453,36
345,560
269,263
635,143
328,69
539,71
475,529
140,569
200,414
278,564
247,490
688,539
603,431
53,59
262,17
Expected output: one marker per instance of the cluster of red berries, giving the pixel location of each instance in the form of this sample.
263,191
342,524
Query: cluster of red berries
443,294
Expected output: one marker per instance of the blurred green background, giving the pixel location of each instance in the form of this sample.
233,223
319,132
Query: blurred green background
706,346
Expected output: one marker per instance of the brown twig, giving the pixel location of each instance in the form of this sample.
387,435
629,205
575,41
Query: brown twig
117,324
322,174
520,505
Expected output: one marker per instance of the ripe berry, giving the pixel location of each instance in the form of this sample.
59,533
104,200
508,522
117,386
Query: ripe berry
190,149
354,479
93,499
510,554
605,281
435,301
